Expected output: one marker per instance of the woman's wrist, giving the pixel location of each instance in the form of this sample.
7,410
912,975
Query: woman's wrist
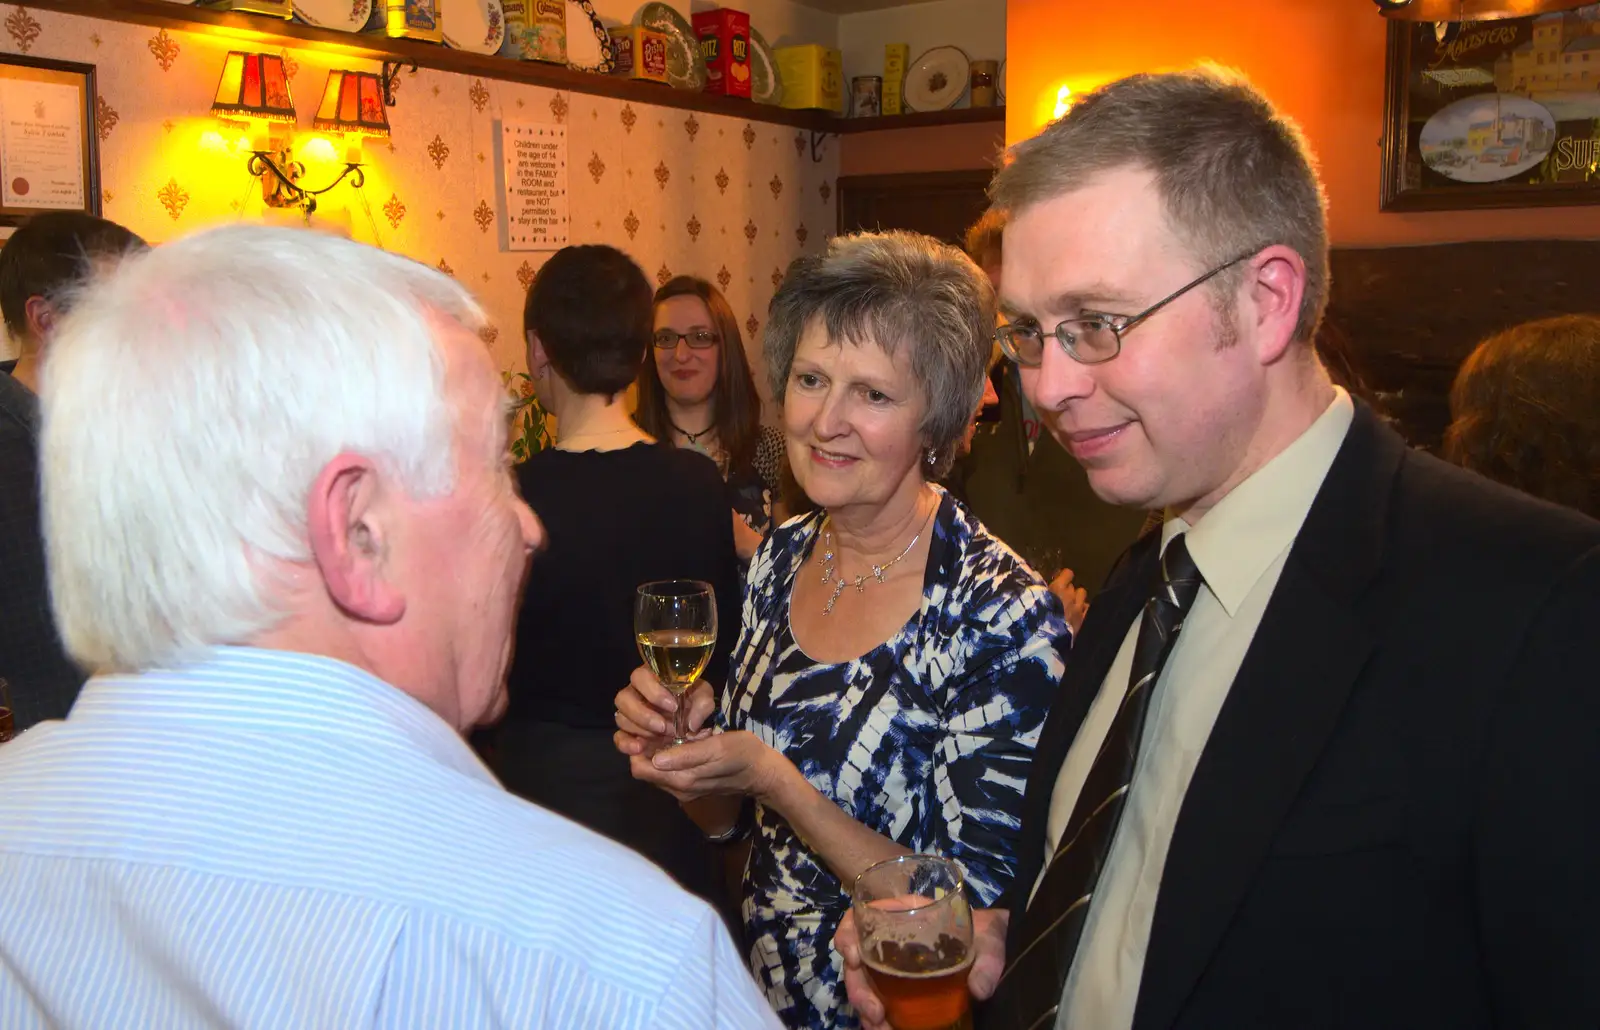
744,822
783,787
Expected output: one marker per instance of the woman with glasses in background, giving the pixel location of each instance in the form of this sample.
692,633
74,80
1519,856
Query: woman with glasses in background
697,392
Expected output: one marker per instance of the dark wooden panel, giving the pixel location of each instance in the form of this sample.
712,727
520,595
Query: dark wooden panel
941,204
1412,314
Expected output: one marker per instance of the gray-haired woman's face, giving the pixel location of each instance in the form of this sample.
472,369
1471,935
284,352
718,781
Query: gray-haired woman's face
851,416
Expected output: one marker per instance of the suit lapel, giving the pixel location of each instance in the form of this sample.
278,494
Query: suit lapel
1283,705
1093,651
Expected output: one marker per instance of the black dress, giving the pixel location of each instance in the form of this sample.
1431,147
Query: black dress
614,520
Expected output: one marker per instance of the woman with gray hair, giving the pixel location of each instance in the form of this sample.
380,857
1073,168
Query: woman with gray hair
896,662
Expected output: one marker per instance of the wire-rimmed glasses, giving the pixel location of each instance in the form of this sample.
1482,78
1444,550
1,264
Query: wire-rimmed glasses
1092,340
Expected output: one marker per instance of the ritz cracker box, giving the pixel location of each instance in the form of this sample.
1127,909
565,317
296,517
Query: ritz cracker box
725,48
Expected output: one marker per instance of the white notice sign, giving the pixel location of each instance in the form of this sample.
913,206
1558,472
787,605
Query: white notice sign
535,185
41,145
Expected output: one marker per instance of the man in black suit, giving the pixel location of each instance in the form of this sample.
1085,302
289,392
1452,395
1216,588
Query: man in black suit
1327,753
39,267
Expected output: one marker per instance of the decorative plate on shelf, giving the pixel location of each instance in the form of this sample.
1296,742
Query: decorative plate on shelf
476,26
1000,84
766,85
936,80
588,42
685,69
345,15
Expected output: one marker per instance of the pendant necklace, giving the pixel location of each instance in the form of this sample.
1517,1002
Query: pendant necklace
830,574
693,438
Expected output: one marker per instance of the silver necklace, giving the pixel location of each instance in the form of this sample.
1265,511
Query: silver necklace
830,574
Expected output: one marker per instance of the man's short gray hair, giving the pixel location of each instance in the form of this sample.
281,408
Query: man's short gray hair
190,401
1234,174
896,290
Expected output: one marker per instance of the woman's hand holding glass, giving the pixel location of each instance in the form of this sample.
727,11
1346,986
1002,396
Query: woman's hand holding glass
645,711
736,763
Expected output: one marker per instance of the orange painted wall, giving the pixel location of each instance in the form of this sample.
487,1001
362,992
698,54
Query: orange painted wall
1322,61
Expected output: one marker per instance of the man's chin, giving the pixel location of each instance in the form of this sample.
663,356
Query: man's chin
1112,486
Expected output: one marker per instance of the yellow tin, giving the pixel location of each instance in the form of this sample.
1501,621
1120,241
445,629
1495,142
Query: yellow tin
895,58
411,19
894,96
813,76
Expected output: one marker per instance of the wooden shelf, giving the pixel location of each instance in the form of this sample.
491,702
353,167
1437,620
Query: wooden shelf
922,119
255,28
371,47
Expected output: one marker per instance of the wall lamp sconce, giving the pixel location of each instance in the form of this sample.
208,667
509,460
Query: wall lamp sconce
254,90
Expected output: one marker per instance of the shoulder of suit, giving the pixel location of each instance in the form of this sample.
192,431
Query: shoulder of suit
1448,511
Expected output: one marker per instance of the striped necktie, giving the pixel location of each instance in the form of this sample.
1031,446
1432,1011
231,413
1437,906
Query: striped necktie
1029,994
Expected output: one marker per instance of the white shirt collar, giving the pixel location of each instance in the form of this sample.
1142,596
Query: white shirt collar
1241,536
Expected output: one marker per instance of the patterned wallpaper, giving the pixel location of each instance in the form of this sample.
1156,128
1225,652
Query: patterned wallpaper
724,198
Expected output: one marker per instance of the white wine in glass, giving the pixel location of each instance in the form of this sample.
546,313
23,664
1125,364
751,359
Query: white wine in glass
675,624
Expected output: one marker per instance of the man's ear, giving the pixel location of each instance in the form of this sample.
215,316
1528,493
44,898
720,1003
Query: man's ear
1276,281
346,523
42,316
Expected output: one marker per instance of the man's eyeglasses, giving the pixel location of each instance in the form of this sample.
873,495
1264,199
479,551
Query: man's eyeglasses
698,339
1089,341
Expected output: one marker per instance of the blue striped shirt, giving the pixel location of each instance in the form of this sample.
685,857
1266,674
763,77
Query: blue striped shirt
269,839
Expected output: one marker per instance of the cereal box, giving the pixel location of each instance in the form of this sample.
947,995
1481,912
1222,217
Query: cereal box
640,53
725,49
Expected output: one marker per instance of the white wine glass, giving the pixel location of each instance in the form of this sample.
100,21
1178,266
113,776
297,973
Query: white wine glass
675,623
915,924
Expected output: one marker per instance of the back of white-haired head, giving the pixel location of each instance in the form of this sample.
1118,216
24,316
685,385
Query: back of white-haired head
189,402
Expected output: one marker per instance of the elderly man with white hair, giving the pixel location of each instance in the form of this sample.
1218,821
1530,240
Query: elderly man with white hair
281,529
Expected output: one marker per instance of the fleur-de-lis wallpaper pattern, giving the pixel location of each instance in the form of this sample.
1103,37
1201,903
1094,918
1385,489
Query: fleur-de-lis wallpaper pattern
692,194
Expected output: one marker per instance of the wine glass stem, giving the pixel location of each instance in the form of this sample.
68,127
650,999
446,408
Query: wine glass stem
680,719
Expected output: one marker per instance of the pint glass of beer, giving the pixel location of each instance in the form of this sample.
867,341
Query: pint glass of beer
916,940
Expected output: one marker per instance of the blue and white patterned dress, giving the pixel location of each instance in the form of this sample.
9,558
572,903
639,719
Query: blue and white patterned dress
925,739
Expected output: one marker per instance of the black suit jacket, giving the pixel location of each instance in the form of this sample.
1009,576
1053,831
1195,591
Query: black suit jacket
1396,819
43,681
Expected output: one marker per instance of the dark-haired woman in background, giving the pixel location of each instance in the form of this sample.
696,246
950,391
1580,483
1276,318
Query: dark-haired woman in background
698,393
1525,410
619,509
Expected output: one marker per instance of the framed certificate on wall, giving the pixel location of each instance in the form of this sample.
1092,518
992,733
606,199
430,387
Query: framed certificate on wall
49,153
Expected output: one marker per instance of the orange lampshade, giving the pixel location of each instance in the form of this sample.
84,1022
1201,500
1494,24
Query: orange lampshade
352,103
253,86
